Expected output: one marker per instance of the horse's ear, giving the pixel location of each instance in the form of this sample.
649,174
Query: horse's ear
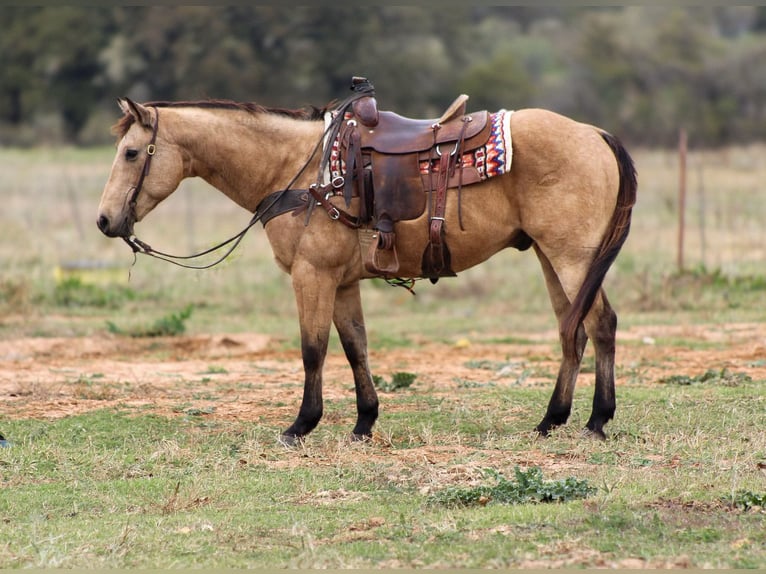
141,113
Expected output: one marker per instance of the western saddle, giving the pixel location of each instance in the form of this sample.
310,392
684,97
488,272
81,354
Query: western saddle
399,168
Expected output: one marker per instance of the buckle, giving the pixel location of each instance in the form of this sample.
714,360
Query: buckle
136,244
453,152
150,149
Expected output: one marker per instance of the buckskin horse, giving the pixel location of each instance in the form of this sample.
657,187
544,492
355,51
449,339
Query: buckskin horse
351,192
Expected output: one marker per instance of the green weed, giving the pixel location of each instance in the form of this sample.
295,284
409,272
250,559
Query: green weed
469,384
722,377
718,279
528,487
509,340
747,499
399,380
215,370
484,365
196,412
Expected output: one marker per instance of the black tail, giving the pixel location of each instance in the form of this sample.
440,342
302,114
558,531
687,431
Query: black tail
610,245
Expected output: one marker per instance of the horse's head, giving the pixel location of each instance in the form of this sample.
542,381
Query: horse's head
148,167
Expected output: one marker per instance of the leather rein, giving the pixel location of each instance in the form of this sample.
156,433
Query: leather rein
263,208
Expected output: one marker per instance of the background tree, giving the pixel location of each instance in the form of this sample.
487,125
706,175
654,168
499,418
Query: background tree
640,71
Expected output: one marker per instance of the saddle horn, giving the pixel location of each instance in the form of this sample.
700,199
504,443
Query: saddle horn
365,108
455,110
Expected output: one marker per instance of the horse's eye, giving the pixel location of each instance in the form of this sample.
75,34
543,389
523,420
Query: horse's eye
131,154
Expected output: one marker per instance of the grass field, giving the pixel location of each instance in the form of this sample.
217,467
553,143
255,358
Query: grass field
139,451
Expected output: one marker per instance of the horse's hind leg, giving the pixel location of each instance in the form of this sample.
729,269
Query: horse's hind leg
349,321
601,326
560,404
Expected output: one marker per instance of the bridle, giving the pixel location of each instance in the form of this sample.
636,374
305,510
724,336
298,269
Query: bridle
139,246
151,148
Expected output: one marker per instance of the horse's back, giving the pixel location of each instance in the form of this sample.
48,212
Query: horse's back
545,139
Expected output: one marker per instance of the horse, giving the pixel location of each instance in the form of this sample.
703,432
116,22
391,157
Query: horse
568,196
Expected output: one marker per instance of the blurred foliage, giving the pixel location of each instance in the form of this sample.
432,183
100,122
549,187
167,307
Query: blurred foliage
170,325
638,71
72,292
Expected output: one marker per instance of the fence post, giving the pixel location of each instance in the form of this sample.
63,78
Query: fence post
681,196
702,209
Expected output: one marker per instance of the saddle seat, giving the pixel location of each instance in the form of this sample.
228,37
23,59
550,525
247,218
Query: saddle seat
395,134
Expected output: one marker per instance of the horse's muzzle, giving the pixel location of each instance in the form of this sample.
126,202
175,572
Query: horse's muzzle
103,224
107,227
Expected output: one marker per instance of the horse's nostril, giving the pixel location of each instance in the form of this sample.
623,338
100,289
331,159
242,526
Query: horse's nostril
103,223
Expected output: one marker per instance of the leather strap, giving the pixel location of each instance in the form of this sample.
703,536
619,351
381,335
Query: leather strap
318,193
151,148
436,221
352,142
279,202
448,162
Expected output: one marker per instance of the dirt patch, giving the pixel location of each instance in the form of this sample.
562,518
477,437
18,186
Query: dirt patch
253,378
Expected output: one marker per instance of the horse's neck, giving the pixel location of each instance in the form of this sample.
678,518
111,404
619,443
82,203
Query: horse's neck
247,156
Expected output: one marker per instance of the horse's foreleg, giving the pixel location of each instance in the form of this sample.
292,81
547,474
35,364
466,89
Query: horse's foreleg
601,325
349,321
315,297
560,404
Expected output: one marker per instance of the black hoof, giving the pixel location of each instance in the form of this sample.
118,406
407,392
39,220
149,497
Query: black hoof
290,441
544,429
596,434
551,421
354,437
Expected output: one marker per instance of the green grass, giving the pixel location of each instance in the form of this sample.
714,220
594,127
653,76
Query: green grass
126,488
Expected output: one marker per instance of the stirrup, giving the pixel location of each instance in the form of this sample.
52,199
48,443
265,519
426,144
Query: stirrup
375,264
